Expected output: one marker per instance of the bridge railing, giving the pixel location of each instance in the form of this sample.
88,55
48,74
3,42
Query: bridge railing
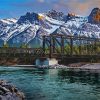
70,45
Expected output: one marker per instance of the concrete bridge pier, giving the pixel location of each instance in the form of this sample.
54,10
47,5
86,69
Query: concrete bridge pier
46,61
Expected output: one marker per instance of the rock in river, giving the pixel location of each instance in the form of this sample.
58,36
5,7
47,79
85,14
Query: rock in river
9,92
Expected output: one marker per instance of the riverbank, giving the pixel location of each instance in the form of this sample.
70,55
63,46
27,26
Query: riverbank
80,65
16,61
75,66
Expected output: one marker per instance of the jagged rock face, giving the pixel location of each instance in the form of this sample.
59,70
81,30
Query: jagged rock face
28,18
70,16
57,15
94,17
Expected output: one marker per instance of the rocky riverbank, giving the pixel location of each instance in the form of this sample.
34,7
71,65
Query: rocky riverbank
16,61
10,92
83,66
62,66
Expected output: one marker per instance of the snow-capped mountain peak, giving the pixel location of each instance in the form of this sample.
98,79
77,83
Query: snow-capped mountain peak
30,28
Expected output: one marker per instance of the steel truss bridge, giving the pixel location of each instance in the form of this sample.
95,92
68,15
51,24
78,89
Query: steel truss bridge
58,46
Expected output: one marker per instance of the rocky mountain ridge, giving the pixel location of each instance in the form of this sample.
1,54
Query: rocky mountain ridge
30,28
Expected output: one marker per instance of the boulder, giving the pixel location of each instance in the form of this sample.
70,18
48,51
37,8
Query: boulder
9,92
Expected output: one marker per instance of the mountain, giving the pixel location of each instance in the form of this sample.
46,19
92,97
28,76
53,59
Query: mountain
30,28
57,15
94,17
28,18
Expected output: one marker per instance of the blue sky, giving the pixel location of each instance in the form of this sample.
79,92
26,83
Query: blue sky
16,8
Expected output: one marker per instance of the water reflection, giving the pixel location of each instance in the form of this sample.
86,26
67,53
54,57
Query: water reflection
73,76
34,71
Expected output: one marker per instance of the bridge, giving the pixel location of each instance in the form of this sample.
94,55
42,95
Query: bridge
70,45
62,47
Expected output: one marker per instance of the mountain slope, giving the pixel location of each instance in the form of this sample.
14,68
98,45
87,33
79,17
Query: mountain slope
94,17
30,28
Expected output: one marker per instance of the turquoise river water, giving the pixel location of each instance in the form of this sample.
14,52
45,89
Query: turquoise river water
54,84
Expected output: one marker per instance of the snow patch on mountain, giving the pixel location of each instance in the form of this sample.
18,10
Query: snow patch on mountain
30,28
9,21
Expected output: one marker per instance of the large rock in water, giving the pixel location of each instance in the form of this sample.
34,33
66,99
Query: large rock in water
9,92
94,17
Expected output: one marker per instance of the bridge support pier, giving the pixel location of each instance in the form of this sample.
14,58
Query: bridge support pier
46,61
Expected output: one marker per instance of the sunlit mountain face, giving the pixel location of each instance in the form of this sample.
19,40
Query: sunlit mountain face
94,17
30,28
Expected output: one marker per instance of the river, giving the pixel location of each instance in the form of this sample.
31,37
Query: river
54,84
